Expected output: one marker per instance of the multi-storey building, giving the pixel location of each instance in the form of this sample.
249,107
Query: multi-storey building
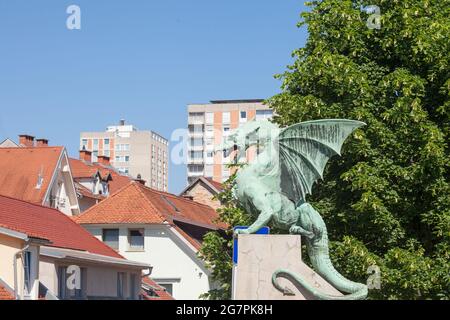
208,124
141,154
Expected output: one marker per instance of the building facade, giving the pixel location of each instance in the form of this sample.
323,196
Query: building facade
208,124
140,154
41,248
40,175
204,191
160,229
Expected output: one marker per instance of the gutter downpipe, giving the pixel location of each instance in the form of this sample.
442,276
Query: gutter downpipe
20,252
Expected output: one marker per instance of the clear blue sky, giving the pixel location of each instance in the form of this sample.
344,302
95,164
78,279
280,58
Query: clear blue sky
142,60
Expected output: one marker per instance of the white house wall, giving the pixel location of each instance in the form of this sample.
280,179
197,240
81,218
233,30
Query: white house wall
101,280
172,260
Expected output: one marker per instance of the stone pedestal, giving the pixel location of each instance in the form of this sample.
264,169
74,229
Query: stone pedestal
260,256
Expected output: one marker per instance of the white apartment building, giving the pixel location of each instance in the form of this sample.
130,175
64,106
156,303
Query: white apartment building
208,124
140,154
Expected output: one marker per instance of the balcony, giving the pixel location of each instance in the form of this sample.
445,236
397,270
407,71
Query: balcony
196,134
195,147
196,118
195,160
195,174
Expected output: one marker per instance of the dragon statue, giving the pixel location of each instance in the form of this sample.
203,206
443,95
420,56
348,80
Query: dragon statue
275,185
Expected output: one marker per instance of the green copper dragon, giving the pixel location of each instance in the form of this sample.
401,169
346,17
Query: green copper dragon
274,188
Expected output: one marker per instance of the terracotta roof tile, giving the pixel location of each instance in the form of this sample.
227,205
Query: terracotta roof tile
127,205
161,293
46,223
20,169
5,295
82,169
217,185
85,192
194,242
136,203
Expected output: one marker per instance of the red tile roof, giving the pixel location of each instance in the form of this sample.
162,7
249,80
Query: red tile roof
46,223
161,293
194,242
118,182
136,203
20,169
5,295
217,185
85,192
82,169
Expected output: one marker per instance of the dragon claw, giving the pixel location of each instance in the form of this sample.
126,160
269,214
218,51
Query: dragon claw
240,231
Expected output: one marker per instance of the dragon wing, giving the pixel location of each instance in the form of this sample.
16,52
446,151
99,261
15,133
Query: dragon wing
305,149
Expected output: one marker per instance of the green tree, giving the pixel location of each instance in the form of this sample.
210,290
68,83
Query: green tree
387,200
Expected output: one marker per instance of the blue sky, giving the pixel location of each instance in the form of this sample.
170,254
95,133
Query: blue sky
143,61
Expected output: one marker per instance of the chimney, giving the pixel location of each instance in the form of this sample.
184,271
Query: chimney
122,122
41,143
104,160
26,140
140,180
85,155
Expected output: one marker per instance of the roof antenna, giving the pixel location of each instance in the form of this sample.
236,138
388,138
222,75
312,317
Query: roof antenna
40,181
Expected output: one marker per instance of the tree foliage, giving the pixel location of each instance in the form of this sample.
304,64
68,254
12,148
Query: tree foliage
387,200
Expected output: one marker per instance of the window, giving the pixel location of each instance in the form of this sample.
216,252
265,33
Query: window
80,294
196,117
27,271
106,153
122,147
95,144
197,142
225,171
168,287
226,117
64,293
95,156
62,280
209,118
196,129
106,142
209,142
209,171
209,131
84,144
121,285
197,155
136,239
243,116
122,158
111,238
263,114
133,282
226,131
195,169
226,154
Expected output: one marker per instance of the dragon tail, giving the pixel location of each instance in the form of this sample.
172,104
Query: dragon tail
360,292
